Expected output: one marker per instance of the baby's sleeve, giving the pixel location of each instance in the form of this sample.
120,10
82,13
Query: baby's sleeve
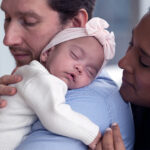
48,102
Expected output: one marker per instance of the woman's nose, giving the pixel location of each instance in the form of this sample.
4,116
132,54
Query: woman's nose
12,35
125,63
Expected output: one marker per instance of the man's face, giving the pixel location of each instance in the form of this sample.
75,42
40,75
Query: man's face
136,64
76,62
29,26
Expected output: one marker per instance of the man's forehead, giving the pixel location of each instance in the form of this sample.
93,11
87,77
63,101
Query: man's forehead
23,6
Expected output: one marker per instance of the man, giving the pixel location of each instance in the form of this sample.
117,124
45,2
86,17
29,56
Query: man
27,33
29,26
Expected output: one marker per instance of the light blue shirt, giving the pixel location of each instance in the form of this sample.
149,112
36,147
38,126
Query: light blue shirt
100,102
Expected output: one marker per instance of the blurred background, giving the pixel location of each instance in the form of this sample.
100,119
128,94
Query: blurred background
122,15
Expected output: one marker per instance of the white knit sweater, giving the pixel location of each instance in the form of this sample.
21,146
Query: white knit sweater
41,95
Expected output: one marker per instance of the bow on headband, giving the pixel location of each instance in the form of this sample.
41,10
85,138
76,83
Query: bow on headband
95,27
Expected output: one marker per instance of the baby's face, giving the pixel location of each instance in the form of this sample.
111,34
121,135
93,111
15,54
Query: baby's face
76,62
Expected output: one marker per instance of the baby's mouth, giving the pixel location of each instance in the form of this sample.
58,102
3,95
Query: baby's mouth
71,76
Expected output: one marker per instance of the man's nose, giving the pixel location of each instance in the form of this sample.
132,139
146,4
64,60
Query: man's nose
12,35
125,63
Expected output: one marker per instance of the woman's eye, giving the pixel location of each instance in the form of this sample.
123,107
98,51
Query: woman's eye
143,64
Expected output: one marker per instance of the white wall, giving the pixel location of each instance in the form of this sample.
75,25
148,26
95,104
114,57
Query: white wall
6,61
144,6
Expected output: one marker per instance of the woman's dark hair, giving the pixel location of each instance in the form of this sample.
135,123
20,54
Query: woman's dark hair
67,9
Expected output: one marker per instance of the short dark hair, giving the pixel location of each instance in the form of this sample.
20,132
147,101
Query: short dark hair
67,9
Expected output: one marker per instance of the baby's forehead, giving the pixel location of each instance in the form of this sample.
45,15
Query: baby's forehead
90,48
87,44
87,40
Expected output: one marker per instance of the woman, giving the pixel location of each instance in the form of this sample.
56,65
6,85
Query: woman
135,88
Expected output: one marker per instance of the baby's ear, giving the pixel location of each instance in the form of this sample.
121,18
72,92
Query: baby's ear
44,56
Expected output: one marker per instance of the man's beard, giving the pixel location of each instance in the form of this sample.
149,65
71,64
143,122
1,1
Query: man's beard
19,63
25,53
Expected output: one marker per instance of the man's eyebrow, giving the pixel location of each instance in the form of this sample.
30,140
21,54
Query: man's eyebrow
28,13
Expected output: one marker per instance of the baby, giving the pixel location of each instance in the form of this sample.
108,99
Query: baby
73,59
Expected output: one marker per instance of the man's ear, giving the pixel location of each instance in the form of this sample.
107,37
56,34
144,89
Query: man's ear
80,19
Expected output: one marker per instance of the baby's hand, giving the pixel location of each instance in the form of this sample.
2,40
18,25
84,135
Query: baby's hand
92,146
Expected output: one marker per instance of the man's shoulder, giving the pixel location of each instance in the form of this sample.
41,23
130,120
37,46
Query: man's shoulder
101,87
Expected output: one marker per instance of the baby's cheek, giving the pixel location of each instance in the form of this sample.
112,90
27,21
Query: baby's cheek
86,81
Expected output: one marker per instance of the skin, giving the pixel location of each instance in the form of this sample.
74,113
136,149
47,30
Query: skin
26,33
22,34
22,26
136,83
80,62
111,140
136,65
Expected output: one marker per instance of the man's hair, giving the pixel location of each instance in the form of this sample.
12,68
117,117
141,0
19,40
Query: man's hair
67,9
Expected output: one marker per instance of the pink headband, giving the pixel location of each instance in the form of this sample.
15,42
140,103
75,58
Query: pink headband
95,27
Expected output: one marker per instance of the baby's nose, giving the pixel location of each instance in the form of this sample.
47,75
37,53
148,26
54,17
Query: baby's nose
79,68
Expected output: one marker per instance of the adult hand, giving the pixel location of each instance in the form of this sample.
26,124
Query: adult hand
111,140
92,146
7,90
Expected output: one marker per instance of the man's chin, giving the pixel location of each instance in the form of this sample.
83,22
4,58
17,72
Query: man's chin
22,63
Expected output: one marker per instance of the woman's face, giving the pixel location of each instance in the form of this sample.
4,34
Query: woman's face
135,86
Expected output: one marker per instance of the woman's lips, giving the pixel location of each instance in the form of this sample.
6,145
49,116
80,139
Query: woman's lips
125,82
